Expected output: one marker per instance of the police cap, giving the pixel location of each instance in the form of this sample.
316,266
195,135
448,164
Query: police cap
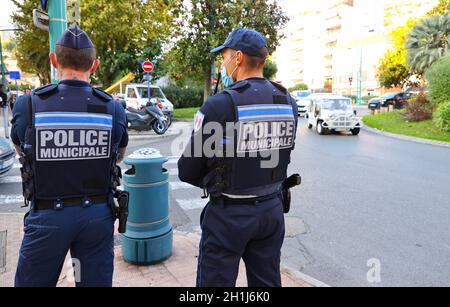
75,38
247,40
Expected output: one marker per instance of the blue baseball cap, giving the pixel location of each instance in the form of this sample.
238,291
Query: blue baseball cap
247,40
75,38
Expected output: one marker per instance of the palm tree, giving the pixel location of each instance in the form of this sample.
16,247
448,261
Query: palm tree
428,41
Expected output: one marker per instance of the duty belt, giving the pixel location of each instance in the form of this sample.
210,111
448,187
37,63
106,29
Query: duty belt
41,204
245,201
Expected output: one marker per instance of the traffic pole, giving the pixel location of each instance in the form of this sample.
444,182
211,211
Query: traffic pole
148,86
58,24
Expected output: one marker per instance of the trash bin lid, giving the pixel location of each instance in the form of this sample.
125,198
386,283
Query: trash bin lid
145,153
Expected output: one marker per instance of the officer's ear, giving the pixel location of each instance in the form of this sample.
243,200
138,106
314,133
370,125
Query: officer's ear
94,66
239,57
53,59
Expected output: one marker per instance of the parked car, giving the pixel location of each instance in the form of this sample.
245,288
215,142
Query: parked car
300,97
396,99
136,96
7,155
332,113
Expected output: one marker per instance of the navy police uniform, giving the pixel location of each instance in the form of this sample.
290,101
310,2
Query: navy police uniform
244,216
69,133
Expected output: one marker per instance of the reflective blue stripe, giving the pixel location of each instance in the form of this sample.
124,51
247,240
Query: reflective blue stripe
105,121
266,110
264,118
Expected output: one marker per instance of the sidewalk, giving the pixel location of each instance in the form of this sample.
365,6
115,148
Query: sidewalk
177,271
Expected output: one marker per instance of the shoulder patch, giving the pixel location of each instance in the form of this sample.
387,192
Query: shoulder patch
279,87
101,94
46,89
198,121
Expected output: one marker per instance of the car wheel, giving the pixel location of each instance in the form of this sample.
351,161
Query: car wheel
320,129
355,131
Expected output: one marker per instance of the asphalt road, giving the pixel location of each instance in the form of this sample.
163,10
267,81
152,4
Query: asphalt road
371,197
363,199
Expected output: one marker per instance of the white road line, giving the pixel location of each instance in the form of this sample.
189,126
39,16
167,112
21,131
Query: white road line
10,179
193,203
177,185
11,199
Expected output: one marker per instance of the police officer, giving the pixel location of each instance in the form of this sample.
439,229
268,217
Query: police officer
244,216
69,136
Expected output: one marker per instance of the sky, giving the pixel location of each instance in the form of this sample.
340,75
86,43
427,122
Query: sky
7,8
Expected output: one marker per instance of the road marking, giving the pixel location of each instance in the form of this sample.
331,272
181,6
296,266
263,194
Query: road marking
10,179
193,203
11,199
177,185
17,165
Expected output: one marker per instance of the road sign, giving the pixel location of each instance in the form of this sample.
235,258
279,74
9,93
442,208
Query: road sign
147,66
41,20
15,75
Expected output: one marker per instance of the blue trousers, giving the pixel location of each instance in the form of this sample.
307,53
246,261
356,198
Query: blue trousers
253,232
88,232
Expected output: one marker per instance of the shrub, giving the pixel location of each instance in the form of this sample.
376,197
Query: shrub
299,87
417,109
442,117
184,97
438,78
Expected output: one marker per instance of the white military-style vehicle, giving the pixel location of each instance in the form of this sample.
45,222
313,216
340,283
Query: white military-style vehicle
329,113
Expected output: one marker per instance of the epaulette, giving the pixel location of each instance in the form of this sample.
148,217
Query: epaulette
46,89
280,87
101,94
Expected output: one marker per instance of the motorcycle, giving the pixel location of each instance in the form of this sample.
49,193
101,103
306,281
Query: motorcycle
149,117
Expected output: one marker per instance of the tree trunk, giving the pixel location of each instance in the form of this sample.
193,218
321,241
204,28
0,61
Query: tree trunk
207,89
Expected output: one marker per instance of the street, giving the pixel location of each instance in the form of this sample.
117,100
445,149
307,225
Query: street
362,198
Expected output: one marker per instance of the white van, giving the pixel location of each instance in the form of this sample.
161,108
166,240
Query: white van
136,96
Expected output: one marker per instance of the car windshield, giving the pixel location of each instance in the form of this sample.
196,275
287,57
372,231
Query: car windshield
388,95
335,104
302,94
154,92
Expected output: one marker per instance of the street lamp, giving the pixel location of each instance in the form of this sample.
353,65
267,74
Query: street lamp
359,78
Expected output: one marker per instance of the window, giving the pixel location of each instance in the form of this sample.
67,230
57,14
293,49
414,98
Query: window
131,93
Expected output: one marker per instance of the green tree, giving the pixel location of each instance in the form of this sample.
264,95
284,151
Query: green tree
393,69
441,8
123,32
205,24
270,70
32,43
427,42
126,33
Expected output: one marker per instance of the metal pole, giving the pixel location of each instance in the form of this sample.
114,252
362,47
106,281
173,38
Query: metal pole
58,24
148,86
358,97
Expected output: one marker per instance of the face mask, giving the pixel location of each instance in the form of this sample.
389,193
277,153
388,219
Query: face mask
227,80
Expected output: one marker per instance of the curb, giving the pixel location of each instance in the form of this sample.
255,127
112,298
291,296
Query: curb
406,138
306,278
151,136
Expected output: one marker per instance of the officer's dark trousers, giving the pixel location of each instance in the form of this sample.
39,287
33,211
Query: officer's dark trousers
88,232
253,232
